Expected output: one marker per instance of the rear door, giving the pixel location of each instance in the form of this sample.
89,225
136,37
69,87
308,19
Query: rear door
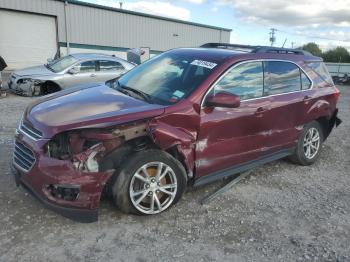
231,136
287,86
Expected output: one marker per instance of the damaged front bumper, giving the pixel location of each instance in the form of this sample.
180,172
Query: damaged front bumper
57,183
24,87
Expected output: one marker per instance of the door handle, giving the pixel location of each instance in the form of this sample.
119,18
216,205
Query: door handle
93,75
306,98
260,110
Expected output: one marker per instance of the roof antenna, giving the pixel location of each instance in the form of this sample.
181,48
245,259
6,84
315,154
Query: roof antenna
121,5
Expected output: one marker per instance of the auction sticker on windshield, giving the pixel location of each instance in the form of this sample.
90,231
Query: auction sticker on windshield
202,63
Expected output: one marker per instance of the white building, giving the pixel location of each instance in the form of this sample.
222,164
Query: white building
33,30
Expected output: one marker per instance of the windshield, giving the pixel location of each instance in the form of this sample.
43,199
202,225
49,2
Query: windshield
62,63
167,78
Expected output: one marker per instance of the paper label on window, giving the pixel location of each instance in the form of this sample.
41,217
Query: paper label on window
178,94
202,63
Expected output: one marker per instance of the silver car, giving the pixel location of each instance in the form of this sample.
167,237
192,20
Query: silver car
71,70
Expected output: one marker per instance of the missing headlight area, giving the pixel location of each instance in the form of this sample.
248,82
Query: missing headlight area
28,87
87,148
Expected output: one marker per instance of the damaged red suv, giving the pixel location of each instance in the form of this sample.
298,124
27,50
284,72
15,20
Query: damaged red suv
184,118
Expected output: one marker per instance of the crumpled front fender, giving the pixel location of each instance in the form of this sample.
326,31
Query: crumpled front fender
167,136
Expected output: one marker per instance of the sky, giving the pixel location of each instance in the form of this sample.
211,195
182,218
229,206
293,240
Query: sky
326,23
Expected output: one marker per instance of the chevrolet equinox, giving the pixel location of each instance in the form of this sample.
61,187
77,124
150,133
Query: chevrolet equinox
186,117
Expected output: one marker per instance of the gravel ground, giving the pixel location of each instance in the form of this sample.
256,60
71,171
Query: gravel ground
282,212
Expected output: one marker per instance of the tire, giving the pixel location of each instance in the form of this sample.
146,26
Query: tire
302,156
49,88
139,177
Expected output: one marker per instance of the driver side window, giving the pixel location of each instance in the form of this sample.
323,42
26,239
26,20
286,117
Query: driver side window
245,80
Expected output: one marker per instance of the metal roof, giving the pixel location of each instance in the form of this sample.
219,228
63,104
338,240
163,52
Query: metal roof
76,2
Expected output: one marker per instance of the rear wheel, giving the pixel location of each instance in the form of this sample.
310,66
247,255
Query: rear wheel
309,144
149,183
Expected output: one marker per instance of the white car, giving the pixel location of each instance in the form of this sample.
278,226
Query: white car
71,70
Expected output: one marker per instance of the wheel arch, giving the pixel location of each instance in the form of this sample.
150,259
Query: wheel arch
49,87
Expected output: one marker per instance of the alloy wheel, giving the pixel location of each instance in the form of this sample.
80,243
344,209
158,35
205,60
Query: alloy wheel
311,143
153,188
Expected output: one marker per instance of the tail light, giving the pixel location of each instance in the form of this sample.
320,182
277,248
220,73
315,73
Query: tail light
336,94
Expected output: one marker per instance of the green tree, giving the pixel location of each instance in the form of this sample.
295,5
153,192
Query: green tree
339,54
313,48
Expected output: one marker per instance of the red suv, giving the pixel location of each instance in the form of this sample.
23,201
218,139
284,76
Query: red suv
184,118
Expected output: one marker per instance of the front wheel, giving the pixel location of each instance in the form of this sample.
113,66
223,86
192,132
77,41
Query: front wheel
149,183
309,144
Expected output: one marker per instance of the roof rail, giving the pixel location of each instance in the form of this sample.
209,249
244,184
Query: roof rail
257,49
280,50
229,46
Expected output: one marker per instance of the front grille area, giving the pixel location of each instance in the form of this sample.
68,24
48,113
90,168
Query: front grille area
30,131
23,156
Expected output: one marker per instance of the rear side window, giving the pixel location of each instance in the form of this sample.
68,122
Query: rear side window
321,69
245,80
107,65
281,77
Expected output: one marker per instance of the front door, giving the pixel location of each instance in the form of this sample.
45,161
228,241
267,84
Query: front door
86,72
232,136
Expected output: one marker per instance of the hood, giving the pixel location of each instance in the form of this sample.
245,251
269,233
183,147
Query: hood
90,107
34,71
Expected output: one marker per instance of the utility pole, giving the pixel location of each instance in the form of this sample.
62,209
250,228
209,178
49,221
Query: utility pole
292,44
272,36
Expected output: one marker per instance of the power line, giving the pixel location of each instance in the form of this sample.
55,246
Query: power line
313,36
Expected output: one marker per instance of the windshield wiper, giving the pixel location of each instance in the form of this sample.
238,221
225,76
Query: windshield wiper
48,67
141,94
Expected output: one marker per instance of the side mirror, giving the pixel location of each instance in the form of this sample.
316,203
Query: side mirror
223,99
74,70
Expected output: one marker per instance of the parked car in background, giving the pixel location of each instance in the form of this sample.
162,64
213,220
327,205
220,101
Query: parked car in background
342,79
187,117
67,71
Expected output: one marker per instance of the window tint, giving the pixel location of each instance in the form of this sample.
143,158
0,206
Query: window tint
321,69
87,66
245,80
281,77
305,81
106,65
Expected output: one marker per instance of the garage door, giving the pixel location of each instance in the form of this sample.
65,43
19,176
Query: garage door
26,39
